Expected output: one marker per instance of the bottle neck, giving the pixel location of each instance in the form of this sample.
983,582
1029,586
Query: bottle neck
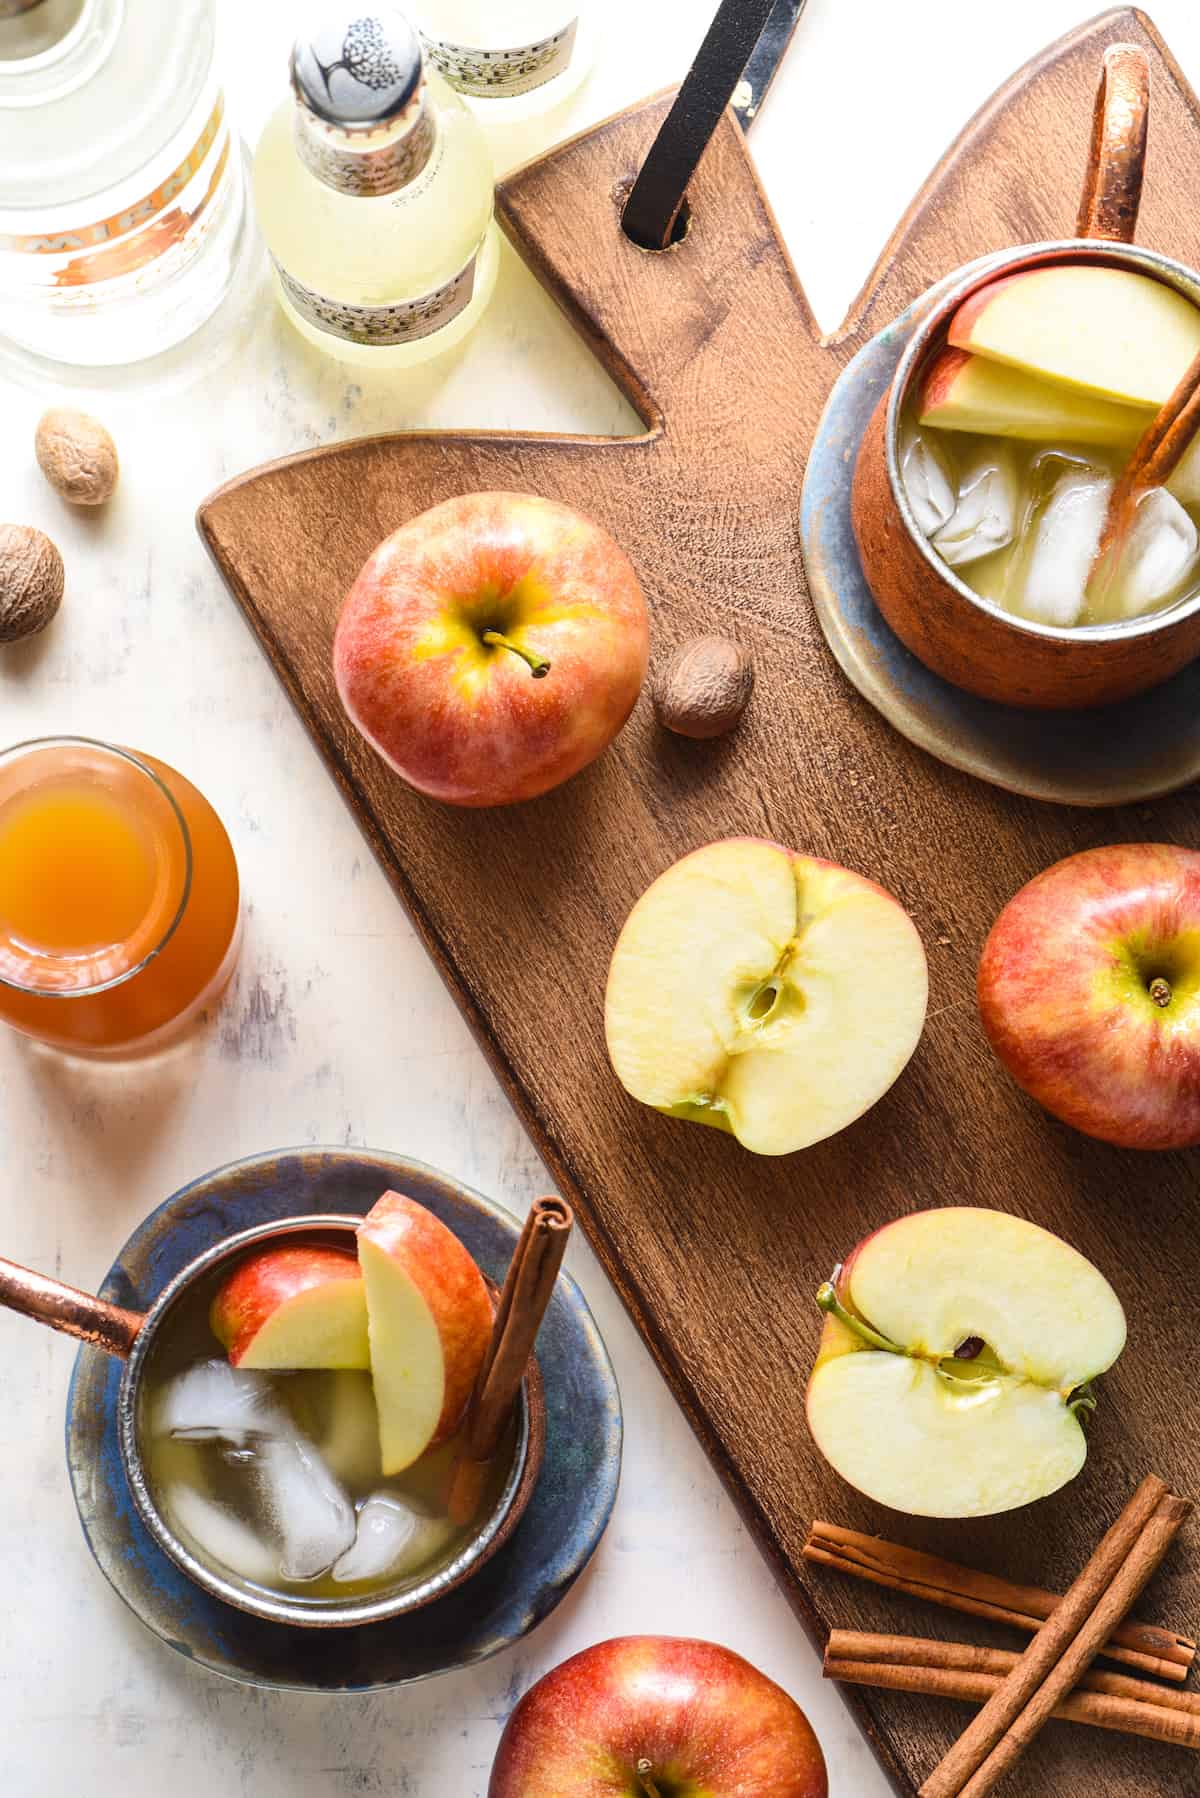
369,163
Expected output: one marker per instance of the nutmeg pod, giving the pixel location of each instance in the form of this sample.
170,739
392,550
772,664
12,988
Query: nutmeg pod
77,456
703,689
31,581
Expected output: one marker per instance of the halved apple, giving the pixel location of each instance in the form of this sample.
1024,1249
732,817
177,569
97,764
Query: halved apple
429,1316
955,1361
1107,330
962,392
765,992
291,1307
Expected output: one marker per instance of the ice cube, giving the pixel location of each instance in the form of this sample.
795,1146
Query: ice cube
219,1535
211,1401
1052,575
307,1510
927,482
393,1539
1160,550
985,516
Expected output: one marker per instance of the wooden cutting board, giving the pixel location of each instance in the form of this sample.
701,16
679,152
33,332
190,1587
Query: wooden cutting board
715,1252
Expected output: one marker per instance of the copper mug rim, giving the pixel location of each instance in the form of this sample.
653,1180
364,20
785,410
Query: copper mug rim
963,283
131,1336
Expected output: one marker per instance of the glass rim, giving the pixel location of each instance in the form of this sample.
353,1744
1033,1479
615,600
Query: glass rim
16,750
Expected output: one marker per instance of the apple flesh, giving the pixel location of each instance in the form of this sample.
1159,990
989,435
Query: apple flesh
429,1318
492,647
1089,990
961,392
658,1717
1105,330
765,992
298,1306
955,1359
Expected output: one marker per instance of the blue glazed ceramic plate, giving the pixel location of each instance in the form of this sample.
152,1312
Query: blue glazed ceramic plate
510,1596
1136,750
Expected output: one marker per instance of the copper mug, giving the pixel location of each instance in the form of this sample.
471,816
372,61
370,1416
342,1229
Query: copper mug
958,634
132,1335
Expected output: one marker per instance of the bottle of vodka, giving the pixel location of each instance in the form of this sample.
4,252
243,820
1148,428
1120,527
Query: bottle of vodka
122,206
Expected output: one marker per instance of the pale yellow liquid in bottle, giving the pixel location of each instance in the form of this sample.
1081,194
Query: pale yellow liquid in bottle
387,249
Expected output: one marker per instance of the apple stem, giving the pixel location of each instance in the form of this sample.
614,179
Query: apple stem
645,1773
1160,991
1082,1403
829,1302
539,667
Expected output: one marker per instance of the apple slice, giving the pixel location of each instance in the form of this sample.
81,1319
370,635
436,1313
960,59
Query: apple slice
956,1356
961,392
429,1316
1106,330
292,1307
767,993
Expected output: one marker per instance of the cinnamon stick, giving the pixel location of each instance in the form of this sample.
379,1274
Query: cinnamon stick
1145,1646
1156,1722
1064,1647
1154,459
918,1655
528,1289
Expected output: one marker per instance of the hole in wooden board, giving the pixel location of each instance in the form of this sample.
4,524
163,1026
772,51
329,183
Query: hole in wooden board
679,230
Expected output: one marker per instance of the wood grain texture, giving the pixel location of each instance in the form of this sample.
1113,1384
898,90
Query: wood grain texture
716,1253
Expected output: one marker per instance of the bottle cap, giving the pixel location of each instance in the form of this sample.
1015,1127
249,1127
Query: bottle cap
355,69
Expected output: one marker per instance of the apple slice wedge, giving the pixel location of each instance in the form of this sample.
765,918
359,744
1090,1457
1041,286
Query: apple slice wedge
429,1318
1106,330
770,994
962,392
955,1360
296,1306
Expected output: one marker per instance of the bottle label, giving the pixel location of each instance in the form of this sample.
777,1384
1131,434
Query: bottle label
355,164
404,321
500,74
134,215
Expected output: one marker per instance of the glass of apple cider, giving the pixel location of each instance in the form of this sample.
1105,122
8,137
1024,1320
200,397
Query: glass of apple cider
119,897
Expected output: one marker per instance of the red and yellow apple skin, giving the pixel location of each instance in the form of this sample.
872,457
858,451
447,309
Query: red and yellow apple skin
467,721
274,1287
699,1719
1089,989
448,1285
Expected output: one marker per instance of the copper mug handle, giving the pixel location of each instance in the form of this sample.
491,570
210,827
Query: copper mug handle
65,1308
1112,188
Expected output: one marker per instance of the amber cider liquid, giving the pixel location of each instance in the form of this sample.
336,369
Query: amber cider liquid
119,898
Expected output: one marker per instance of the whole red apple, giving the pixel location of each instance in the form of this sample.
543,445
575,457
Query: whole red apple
658,1717
1089,986
492,647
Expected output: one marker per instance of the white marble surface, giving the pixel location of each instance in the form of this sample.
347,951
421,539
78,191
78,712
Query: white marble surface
338,1029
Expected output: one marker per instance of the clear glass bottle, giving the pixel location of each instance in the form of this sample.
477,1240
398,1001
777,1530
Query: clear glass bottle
122,205
518,57
374,192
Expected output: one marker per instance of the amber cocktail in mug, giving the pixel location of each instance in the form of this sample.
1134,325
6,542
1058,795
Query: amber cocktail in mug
119,899
1024,520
